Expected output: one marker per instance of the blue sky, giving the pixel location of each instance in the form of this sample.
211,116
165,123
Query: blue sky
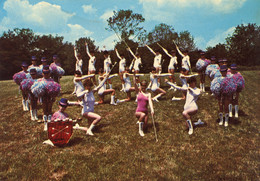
208,21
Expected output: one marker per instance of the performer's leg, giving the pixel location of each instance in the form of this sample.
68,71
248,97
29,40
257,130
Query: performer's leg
92,116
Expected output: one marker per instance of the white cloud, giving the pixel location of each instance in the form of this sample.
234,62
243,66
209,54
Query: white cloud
222,6
106,15
109,42
89,9
43,15
76,31
220,37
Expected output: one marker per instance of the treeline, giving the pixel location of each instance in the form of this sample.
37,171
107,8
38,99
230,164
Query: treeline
18,45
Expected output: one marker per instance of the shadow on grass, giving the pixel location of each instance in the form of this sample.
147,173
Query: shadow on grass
234,121
74,141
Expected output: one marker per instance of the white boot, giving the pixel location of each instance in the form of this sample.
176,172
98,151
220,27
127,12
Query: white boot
24,105
176,98
35,114
156,98
220,119
141,132
110,86
32,115
49,117
119,101
236,111
139,85
45,122
77,126
226,120
123,87
89,131
203,87
112,100
190,127
230,110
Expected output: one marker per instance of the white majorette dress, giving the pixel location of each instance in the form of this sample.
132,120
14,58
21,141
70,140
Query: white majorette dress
79,62
91,62
122,63
127,82
157,59
154,82
137,62
173,62
191,96
103,87
185,63
107,63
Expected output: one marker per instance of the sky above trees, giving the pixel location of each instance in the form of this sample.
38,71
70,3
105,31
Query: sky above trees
208,21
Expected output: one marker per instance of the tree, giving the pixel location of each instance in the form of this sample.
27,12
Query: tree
185,41
219,51
162,33
126,23
244,45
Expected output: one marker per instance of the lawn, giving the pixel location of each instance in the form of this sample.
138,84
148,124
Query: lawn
117,152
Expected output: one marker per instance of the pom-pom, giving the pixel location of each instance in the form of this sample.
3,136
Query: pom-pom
202,64
53,88
216,85
239,80
38,88
210,68
26,85
229,86
57,70
19,77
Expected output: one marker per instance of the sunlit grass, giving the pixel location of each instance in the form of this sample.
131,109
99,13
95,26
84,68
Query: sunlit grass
117,152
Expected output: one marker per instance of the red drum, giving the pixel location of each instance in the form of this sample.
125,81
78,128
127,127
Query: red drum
60,131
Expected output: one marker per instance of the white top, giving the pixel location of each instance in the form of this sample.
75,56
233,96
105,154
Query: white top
103,87
122,62
88,102
185,63
157,60
92,60
183,81
107,63
173,62
154,81
78,86
79,62
137,63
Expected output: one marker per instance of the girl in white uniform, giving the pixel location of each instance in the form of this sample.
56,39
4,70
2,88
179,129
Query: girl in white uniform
136,64
78,82
190,107
107,63
122,65
79,61
157,59
128,86
185,63
89,102
91,63
103,91
154,84
183,77
173,61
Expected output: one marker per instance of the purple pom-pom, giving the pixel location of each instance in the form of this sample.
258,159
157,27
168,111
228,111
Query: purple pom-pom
210,68
228,85
26,84
239,80
216,85
19,77
202,64
53,88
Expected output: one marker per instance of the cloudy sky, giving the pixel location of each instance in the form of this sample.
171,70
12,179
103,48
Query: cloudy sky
209,21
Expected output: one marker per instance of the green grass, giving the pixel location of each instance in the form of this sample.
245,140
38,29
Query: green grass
117,152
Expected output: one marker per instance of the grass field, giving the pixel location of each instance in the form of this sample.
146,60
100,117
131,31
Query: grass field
117,152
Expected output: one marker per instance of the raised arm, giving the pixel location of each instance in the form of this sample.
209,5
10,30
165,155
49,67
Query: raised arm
179,51
75,53
163,75
82,93
83,77
87,50
189,76
117,54
167,53
175,86
151,50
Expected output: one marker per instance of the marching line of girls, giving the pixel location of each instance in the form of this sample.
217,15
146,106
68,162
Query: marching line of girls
85,93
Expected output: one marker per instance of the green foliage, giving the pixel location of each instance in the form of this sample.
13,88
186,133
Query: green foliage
219,51
244,45
126,24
